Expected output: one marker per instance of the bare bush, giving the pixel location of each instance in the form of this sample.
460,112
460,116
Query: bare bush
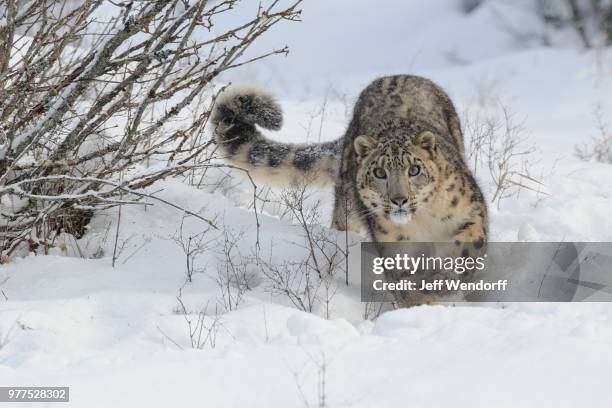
321,383
90,90
317,117
600,148
234,274
5,335
479,131
293,280
2,293
202,327
192,246
310,281
371,310
500,146
591,19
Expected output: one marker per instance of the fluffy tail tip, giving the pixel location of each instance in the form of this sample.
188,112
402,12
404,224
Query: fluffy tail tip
250,105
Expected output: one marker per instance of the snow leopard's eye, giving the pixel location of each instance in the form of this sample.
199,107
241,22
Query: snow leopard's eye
414,170
380,173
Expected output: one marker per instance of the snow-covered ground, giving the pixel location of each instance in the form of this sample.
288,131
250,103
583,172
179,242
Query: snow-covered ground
120,336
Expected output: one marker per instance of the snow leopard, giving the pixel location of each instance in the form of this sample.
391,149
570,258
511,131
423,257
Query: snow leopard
399,170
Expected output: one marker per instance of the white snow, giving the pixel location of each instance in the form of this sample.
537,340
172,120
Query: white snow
118,336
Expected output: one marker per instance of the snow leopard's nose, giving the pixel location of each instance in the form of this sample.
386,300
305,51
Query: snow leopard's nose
399,200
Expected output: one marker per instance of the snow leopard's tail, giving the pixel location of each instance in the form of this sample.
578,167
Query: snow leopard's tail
235,115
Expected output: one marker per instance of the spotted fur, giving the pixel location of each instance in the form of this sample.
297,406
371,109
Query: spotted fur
236,116
403,122
399,122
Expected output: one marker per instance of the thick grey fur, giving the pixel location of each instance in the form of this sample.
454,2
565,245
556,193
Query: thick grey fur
392,109
236,114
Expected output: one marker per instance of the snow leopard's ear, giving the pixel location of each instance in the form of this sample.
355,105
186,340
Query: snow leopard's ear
427,141
364,145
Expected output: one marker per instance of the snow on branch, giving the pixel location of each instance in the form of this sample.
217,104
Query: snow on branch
101,99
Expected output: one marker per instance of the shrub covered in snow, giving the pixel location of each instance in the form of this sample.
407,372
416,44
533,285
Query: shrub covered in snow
99,99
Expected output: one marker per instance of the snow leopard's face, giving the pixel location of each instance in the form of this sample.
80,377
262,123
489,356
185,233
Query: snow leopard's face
395,179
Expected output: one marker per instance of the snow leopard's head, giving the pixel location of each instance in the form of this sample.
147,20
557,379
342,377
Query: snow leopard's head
396,177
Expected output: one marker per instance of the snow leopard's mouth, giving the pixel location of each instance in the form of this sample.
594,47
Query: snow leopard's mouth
401,216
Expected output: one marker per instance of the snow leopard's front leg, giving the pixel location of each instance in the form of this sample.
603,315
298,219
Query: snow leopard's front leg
470,238
345,215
